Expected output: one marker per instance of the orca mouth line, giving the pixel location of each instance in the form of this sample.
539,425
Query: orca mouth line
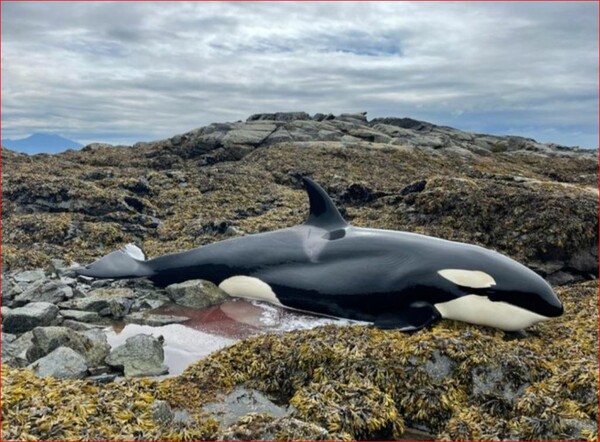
549,309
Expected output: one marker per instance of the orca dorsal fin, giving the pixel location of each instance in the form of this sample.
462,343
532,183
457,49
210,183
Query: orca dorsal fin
323,212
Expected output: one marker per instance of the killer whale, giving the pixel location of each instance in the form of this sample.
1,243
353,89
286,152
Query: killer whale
394,279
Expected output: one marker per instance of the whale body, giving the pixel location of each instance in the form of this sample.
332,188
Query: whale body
394,279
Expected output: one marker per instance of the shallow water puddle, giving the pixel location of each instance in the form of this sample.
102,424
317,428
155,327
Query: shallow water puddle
216,327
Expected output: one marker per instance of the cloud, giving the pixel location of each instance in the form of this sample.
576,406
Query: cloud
131,71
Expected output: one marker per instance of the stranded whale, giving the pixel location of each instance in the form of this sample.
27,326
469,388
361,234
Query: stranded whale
394,279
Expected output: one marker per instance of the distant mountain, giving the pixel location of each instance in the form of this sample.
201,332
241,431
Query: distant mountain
41,143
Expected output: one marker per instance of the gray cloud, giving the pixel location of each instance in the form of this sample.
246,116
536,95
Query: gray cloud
131,71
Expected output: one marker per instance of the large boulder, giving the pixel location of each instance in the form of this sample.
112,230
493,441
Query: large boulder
141,355
63,363
34,314
196,293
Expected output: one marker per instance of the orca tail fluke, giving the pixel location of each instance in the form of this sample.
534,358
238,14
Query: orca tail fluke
129,262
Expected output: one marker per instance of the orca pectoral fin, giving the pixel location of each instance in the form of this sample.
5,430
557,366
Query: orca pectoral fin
413,317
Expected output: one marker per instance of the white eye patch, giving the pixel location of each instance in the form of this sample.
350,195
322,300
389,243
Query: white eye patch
468,278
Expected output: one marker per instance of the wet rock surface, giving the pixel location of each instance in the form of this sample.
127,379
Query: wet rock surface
534,202
141,355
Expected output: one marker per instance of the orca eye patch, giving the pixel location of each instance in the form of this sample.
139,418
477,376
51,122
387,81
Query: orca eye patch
468,278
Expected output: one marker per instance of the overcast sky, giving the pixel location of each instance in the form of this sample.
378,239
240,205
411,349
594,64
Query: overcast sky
126,72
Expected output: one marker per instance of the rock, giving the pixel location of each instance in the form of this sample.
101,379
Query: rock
30,276
34,314
161,412
252,134
141,355
8,338
63,363
58,266
405,123
10,290
79,326
149,302
280,116
104,301
255,426
53,292
358,193
92,344
196,293
415,187
586,260
153,320
358,118
241,401
14,351
80,315
439,367
560,278
97,347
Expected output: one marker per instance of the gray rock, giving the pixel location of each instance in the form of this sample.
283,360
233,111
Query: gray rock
30,276
58,266
249,133
161,412
141,355
53,292
294,429
64,363
71,282
14,352
196,293
358,118
10,290
79,326
145,318
34,314
105,301
80,315
585,261
439,367
150,301
241,401
8,337
280,116
92,344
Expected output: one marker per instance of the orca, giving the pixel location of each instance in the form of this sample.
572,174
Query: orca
393,279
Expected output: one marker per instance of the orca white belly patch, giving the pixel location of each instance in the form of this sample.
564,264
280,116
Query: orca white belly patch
480,310
250,288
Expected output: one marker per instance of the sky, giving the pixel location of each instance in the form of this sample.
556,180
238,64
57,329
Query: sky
128,72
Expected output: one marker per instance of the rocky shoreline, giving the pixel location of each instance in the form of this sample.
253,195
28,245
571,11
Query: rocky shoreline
62,380
52,323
